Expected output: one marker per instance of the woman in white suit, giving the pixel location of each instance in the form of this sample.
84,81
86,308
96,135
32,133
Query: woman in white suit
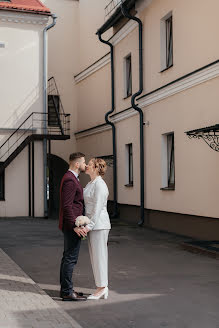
95,198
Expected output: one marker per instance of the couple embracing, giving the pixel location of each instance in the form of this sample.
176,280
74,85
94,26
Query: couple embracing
74,202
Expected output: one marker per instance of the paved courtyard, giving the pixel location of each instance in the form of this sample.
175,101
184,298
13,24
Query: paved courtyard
24,303
153,282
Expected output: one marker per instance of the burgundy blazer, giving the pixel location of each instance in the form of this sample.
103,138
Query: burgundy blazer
71,201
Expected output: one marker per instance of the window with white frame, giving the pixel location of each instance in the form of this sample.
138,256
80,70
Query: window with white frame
166,35
129,160
127,76
168,161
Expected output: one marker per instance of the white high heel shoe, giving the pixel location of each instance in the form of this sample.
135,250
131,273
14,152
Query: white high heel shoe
103,294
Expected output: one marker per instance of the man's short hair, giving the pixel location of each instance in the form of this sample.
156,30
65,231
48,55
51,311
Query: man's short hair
74,156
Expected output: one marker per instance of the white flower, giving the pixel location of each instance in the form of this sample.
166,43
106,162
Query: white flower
82,221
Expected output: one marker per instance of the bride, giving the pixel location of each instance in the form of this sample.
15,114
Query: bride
95,199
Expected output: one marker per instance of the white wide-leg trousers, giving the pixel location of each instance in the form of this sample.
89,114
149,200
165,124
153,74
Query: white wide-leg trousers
97,243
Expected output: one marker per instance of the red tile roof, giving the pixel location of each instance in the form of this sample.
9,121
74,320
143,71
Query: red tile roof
34,6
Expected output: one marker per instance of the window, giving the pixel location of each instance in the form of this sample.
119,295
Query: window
2,186
53,108
168,161
166,41
129,157
169,42
128,76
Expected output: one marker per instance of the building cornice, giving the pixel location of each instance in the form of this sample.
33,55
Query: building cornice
115,39
188,81
20,18
93,68
94,130
123,115
202,75
123,32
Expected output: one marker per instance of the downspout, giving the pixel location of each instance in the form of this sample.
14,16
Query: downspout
134,106
45,78
115,202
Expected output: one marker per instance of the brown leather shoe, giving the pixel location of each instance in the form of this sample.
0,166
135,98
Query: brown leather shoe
74,297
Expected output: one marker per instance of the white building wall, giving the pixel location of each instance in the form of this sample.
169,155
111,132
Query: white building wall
21,87
16,187
21,67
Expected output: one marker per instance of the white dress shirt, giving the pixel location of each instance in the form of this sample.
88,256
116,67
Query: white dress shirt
75,174
95,198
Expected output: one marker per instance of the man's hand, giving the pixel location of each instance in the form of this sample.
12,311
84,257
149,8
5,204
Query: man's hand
80,232
86,229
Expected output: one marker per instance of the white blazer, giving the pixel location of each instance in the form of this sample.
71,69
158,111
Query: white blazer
95,198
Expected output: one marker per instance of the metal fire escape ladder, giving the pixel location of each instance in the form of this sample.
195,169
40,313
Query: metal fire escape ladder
32,128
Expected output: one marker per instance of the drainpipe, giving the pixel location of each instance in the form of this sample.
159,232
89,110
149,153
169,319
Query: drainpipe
134,106
115,203
45,78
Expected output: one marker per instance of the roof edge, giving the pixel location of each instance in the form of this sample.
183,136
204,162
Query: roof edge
36,8
116,16
44,13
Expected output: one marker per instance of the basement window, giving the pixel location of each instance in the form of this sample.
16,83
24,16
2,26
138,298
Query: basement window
129,161
168,162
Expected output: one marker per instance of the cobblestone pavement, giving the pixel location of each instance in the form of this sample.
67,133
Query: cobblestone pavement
23,304
153,282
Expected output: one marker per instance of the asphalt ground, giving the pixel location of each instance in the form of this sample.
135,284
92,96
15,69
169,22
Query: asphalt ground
152,281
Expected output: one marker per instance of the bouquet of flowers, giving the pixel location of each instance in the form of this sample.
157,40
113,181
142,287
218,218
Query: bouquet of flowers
82,221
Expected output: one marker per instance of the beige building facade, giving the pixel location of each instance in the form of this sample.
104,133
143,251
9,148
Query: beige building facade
180,74
175,99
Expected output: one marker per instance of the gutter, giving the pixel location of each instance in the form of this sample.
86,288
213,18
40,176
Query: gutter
116,16
45,78
139,110
115,201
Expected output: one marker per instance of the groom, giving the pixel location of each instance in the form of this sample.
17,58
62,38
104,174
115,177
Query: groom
71,206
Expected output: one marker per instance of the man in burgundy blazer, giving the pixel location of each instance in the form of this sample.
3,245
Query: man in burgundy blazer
71,206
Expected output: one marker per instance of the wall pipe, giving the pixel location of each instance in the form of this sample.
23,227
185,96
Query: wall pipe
29,176
45,78
139,110
115,201
33,181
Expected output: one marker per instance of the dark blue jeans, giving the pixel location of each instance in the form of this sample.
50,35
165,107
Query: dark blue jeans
70,257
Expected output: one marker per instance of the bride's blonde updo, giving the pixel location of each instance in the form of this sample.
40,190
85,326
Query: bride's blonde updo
101,165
